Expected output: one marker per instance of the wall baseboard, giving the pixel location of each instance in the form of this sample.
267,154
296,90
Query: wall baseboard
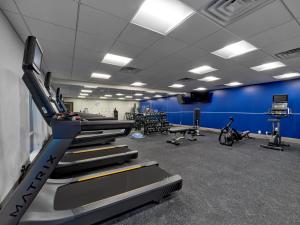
258,136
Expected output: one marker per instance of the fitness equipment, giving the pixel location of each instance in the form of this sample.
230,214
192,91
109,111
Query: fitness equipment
230,135
80,200
150,123
196,121
185,133
79,159
278,111
85,139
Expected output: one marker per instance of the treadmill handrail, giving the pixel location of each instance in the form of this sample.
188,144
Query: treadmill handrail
107,125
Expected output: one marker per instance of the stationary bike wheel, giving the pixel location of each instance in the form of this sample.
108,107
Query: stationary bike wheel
225,138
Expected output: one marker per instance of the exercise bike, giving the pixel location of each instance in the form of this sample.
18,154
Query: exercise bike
278,111
230,135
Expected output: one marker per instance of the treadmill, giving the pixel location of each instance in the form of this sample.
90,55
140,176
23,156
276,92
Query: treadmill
85,138
84,159
82,200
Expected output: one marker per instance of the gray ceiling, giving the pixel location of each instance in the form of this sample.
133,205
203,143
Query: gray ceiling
76,34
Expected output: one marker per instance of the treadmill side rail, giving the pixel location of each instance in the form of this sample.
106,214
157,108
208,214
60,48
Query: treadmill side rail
39,171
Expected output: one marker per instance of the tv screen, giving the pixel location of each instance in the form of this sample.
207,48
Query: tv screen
204,96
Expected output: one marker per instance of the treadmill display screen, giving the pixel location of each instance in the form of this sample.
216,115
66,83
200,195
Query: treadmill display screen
37,56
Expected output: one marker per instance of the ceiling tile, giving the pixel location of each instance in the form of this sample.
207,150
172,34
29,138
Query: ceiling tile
218,40
271,15
294,6
50,32
194,29
61,12
283,32
125,8
138,36
8,5
283,46
196,4
97,22
93,42
254,58
167,46
126,50
18,23
56,48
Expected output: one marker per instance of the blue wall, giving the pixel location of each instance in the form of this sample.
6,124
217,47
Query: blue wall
246,104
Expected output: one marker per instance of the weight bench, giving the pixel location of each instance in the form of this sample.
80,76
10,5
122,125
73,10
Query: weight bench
186,133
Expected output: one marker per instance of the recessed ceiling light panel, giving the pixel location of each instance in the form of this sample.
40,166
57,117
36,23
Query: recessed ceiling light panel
233,84
90,86
86,91
119,94
146,97
287,76
138,94
162,16
103,97
128,96
84,94
268,66
138,84
157,96
81,96
108,95
116,60
176,86
235,49
202,69
209,79
121,98
100,76
200,89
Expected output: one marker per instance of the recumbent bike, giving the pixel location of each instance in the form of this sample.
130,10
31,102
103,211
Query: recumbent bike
230,135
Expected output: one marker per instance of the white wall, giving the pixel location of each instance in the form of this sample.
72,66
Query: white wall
104,107
15,111
14,108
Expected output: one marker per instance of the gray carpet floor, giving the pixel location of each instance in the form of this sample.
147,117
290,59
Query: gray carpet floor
240,185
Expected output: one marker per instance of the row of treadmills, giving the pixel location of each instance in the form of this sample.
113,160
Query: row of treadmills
74,179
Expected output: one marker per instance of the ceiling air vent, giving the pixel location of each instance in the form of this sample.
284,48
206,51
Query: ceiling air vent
289,54
226,12
131,70
186,79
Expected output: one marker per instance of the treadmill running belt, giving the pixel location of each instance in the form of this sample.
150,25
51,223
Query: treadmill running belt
82,193
88,154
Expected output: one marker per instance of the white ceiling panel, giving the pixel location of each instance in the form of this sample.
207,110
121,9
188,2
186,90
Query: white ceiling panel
126,50
88,54
283,32
196,4
50,32
56,49
218,40
166,46
254,58
99,23
18,23
8,5
60,66
294,6
283,46
125,8
271,15
93,42
194,29
138,36
61,12
191,52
